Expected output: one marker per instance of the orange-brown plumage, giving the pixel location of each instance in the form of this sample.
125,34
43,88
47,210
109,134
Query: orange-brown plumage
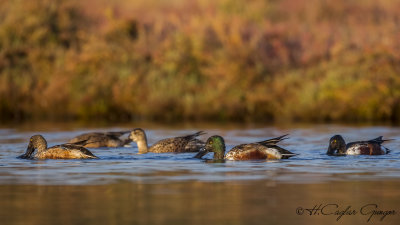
64,151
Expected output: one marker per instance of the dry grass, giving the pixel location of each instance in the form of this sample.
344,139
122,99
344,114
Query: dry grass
200,60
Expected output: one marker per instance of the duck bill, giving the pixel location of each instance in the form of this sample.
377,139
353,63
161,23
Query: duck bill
331,151
201,153
132,138
28,153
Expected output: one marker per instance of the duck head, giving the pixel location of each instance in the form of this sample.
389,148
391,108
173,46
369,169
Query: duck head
36,142
214,144
337,146
139,136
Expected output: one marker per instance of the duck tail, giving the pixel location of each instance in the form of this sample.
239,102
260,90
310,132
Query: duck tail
285,153
380,140
274,141
387,150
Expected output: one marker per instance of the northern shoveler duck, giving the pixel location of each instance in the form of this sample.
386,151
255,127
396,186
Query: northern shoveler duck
267,149
337,146
64,151
99,139
188,143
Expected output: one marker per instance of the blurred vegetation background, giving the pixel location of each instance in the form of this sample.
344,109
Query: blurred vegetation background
200,60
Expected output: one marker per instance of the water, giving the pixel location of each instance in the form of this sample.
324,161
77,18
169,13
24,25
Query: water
125,187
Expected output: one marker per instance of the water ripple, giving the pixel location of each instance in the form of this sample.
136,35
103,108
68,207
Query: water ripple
312,165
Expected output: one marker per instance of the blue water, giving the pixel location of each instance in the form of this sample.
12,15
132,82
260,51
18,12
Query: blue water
311,165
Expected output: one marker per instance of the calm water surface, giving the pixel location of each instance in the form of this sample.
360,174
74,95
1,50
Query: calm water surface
123,187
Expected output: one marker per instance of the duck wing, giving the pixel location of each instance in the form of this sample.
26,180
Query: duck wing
192,136
175,144
379,140
101,140
194,145
117,134
273,141
97,136
86,136
73,147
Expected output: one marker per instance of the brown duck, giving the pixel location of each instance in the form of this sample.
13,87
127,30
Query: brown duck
187,143
101,139
63,151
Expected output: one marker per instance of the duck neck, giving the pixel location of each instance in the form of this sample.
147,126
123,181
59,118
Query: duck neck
142,145
219,148
342,149
219,155
41,146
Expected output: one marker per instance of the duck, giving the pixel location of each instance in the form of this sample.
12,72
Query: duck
63,151
101,139
187,143
337,146
266,149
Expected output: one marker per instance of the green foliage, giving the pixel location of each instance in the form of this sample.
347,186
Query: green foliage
290,60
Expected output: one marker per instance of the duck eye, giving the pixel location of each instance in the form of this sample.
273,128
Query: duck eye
210,142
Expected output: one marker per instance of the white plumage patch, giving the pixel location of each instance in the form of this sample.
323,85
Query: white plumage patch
273,152
354,150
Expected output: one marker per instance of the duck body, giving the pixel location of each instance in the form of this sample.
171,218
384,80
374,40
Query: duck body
99,139
263,150
64,151
187,143
177,144
255,151
365,148
337,146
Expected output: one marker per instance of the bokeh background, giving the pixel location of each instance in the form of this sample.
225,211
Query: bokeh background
200,60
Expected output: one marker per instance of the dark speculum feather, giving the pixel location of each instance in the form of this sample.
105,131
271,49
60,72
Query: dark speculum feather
192,136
